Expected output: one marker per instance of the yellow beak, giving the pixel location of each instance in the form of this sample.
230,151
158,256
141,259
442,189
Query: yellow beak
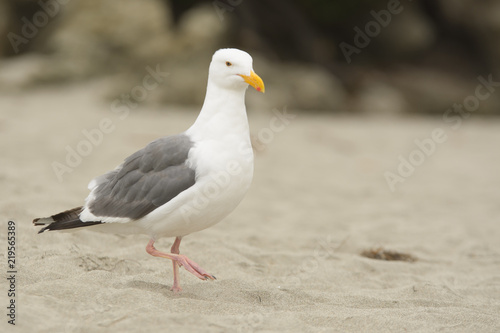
255,81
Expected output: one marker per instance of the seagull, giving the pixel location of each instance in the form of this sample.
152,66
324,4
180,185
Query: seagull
183,183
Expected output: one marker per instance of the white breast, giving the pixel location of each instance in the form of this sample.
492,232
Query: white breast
224,171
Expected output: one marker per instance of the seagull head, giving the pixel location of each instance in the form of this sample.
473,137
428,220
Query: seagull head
232,69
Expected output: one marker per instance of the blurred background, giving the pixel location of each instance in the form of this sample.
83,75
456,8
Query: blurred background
376,57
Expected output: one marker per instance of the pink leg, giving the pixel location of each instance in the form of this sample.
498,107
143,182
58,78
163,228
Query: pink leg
179,260
175,250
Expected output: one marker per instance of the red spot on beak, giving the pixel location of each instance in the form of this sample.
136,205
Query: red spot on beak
259,89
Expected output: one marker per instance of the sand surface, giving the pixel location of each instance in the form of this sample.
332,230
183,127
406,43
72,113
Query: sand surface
288,258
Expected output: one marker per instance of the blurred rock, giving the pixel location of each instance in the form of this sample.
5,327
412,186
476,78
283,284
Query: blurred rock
481,20
4,25
95,37
201,30
431,91
408,34
298,86
193,41
21,72
186,83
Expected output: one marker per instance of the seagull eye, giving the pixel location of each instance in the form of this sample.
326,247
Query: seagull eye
228,64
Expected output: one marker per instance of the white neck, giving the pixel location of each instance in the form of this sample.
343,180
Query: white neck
223,115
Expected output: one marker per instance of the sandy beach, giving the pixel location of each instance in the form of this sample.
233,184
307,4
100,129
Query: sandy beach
288,259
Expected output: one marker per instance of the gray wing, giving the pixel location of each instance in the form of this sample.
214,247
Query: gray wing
146,180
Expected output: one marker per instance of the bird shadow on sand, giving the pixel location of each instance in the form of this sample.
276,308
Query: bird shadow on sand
159,288
154,287
194,291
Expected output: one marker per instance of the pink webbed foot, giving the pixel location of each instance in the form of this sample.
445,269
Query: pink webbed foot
193,267
179,260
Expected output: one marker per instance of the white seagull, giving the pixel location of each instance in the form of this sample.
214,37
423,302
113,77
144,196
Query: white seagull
183,183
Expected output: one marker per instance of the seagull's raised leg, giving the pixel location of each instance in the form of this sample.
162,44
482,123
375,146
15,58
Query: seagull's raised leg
179,260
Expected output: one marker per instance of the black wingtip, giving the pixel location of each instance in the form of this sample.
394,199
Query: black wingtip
68,219
43,229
